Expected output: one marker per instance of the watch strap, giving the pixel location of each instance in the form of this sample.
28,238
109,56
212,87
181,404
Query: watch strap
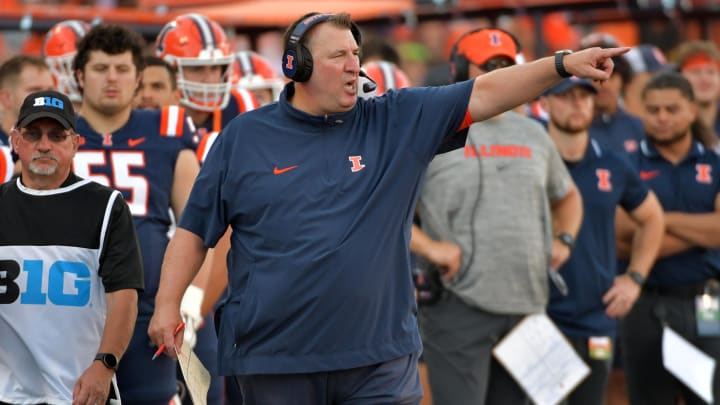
566,239
111,364
559,65
638,278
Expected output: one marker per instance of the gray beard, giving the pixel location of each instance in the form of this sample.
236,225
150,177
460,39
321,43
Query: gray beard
42,171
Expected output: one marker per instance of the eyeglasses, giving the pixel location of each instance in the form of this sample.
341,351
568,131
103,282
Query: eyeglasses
33,135
496,63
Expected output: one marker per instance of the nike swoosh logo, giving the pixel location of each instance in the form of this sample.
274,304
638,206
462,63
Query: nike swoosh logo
647,175
277,171
135,142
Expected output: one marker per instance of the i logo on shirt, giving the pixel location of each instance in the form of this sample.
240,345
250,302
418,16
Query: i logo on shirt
703,173
603,176
356,164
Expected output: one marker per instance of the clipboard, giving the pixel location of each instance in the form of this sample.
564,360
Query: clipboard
197,377
539,357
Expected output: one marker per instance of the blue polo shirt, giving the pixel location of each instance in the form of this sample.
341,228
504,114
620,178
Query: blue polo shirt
320,209
4,138
620,133
716,127
144,175
605,180
691,186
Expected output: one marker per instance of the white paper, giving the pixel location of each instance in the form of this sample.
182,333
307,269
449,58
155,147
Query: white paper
115,394
686,362
541,360
197,378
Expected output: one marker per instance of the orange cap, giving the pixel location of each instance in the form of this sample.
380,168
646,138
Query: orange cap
481,46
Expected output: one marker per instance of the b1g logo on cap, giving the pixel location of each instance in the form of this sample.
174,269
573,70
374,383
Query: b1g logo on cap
49,102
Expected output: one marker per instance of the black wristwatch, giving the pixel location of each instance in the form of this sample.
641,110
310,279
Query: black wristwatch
636,277
559,66
566,239
109,360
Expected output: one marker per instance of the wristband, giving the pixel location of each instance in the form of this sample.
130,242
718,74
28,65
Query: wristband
636,277
566,239
559,66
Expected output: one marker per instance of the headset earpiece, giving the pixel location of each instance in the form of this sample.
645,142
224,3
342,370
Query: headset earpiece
458,63
297,63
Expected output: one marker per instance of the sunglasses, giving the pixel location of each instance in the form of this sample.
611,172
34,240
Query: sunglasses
32,135
496,63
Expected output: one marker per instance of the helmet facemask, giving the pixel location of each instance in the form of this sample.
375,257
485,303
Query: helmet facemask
62,73
203,96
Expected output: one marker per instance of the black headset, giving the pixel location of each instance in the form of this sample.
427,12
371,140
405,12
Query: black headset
297,63
459,64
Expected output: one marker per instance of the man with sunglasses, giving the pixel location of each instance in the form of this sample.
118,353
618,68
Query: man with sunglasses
69,263
486,213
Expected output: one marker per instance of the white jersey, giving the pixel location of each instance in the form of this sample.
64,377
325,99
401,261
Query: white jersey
52,296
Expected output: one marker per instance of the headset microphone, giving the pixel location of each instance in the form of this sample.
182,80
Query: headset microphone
370,85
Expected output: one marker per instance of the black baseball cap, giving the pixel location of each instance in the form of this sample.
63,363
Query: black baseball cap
47,104
571,82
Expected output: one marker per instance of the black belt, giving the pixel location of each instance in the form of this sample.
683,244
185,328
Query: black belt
677,291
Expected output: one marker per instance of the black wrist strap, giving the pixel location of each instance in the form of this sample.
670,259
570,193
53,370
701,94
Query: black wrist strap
636,277
559,66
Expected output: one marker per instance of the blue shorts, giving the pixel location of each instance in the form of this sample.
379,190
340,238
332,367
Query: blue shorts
393,382
141,380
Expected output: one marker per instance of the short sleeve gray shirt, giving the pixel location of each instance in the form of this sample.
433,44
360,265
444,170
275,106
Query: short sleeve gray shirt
501,185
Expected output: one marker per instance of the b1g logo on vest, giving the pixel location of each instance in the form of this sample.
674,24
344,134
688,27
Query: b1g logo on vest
64,283
48,102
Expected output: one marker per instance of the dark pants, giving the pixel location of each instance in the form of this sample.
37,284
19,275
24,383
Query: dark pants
393,382
647,379
141,380
457,348
591,390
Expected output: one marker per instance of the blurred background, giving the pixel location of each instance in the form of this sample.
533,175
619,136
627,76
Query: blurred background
422,31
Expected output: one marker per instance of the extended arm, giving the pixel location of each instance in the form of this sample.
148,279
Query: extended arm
503,89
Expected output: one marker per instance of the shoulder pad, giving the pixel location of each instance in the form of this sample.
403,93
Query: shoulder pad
172,120
245,99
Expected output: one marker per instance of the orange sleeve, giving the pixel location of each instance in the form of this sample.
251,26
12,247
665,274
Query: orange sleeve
467,121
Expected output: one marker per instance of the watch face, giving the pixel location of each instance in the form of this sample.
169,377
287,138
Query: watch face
110,360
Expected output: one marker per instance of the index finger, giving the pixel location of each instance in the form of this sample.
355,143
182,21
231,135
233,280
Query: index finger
610,52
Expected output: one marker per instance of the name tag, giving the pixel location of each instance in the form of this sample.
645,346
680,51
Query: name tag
707,315
600,347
